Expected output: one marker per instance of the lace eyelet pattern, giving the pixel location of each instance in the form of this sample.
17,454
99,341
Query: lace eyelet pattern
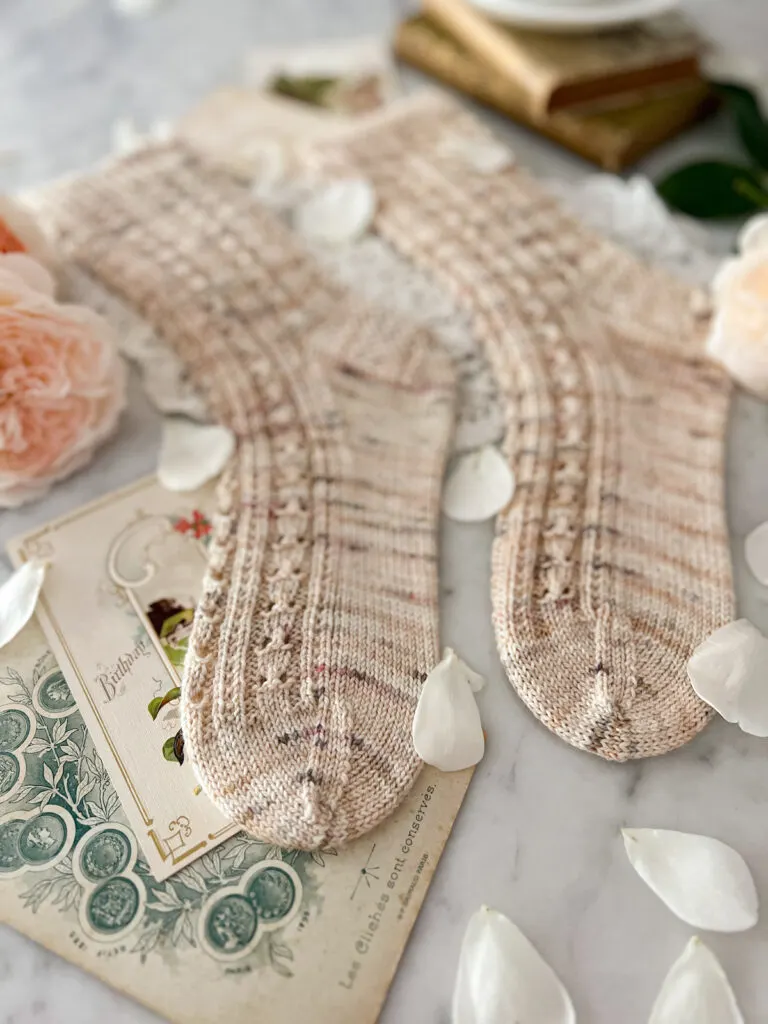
613,425
318,613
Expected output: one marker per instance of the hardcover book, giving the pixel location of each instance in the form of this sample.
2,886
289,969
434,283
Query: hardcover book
552,72
614,138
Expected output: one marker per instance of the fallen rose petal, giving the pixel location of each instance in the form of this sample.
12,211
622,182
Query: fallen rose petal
475,680
728,672
135,8
502,979
479,485
18,599
19,232
756,553
192,453
696,991
704,882
447,731
339,213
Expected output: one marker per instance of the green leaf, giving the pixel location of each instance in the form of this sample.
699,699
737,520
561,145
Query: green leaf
751,124
312,89
169,753
156,705
713,189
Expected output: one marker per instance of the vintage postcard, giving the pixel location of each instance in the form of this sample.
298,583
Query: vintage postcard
247,931
117,608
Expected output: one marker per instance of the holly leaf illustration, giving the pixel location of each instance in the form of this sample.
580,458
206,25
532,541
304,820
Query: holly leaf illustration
157,704
169,749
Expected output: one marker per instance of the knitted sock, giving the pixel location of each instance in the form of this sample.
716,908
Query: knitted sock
318,620
612,562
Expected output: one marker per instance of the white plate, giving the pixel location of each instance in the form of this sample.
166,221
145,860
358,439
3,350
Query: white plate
572,17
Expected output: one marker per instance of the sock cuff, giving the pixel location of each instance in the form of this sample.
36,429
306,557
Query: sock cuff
446,194
165,219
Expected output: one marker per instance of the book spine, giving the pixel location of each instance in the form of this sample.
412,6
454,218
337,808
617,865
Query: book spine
499,51
428,53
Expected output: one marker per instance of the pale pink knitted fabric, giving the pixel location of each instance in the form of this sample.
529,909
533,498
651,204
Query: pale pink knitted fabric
612,562
318,621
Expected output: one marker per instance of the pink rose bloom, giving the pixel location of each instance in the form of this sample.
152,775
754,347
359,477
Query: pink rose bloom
62,384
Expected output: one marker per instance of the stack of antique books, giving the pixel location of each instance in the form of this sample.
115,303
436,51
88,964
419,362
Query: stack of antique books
609,96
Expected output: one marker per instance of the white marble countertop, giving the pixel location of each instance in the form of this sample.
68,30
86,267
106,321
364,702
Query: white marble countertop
538,836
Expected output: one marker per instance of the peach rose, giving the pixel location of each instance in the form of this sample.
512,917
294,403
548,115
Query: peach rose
739,336
62,384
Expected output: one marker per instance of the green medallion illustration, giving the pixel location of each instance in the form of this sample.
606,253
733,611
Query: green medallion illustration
43,838
113,906
66,851
53,697
272,893
35,840
10,858
230,925
10,772
15,727
105,854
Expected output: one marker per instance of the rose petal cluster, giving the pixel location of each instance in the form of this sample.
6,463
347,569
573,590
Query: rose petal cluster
62,383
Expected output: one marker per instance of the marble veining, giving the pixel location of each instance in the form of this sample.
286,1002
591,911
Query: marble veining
538,836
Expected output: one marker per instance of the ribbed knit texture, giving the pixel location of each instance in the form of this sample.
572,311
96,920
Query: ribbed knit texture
612,563
318,620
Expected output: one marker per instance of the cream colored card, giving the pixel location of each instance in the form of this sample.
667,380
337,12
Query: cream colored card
294,96
117,609
248,932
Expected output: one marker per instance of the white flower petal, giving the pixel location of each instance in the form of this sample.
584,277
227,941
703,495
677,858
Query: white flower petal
486,156
135,8
704,882
753,237
696,991
126,137
718,666
192,453
475,680
161,130
756,553
502,979
22,223
33,273
447,731
18,598
341,212
479,485
728,671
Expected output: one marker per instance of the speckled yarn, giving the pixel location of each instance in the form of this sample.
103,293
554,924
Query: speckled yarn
318,620
612,562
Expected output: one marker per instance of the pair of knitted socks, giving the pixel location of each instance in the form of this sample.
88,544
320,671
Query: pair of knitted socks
318,620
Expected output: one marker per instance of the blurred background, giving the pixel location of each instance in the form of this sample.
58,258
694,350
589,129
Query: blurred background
69,69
